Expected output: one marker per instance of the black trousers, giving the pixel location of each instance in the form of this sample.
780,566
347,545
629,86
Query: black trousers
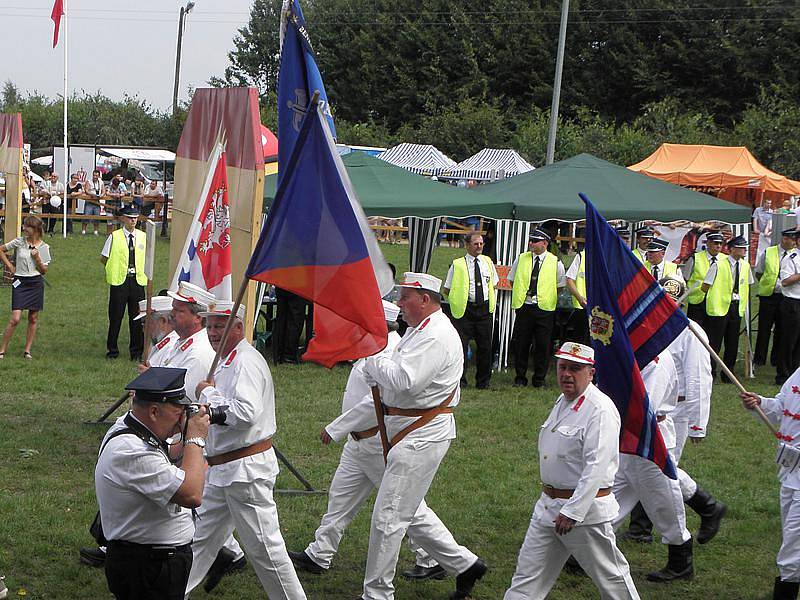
768,317
789,352
697,313
533,326
290,315
577,329
121,297
50,223
730,337
476,324
139,573
715,330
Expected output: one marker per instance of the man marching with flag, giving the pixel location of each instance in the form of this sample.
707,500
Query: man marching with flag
632,321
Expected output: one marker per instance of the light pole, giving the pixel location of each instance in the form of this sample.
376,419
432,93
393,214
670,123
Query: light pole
185,10
562,36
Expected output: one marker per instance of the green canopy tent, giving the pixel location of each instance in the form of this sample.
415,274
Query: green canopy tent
551,192
385,190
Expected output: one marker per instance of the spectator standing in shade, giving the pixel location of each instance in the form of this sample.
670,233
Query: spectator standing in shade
74,204
762,225
93,207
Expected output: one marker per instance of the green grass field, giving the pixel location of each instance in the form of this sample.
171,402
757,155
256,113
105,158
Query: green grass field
484,490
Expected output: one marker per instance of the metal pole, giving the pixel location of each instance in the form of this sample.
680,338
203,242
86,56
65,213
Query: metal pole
562,35
66,150
178,63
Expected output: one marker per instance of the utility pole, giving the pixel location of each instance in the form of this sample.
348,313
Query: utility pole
562,37
184,11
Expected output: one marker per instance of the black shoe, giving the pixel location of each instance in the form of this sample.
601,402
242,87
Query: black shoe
642,537
785,590
538,384
573,567
136,357
679,565
111,354
224,564
94,557
482,386
520,382
419,573
467,580
303,562
711,513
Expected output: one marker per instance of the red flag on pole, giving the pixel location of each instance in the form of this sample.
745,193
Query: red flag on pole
58,12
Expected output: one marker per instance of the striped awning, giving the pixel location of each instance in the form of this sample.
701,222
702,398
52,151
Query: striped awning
490,164
422,159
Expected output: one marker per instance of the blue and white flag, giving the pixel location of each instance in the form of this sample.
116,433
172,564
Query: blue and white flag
298,79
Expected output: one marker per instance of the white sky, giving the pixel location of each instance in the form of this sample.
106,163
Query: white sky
118,46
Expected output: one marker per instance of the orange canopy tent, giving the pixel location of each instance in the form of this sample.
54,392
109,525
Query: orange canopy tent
728,172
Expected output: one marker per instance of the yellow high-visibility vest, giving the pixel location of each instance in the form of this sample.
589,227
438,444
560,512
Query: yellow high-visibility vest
772,268
117,263
459,286
546,283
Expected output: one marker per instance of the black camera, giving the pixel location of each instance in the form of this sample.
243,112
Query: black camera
216,413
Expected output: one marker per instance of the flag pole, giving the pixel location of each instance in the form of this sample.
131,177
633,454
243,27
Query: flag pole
730,375
66,151
228,327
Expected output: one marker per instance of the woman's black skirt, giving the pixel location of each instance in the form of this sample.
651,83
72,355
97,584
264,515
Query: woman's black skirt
27,293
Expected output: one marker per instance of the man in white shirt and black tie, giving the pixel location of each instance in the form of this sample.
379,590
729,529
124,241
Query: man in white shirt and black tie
789,356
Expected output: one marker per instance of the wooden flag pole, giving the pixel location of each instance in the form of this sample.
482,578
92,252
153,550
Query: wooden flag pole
731,376
376,398
228,327
149,265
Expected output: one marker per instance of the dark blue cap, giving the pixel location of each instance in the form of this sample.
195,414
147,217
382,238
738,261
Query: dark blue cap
160,384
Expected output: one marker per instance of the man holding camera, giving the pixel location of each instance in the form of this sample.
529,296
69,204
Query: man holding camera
144,496
242,464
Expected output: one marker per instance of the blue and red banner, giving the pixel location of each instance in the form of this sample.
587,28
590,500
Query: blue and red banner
631,320
317,243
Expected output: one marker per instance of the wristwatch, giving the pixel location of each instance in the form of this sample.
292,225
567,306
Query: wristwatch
197,441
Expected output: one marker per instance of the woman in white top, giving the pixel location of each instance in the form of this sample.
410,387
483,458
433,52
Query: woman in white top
27,291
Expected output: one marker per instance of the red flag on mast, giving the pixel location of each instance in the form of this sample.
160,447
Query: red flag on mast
58,12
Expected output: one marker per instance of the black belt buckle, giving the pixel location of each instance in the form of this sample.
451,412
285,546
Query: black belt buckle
162,551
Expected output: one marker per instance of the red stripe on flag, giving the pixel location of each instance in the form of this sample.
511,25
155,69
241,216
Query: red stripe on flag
635,288
634,415
58,12
658,315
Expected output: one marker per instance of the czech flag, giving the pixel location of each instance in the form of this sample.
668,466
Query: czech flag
631,320
317,243
206,256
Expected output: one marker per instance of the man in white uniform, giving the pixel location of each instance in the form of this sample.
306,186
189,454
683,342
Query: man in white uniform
419,385
162,333
690,418
359,472
143,496
641,480
242,463
784,411
578,458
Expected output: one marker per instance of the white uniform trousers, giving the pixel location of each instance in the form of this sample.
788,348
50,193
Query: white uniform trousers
232,545
640,480
406,479
544,553
250,508
357,477
789,554
688,485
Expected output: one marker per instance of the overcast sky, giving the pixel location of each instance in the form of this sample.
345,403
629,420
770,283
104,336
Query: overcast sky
118,46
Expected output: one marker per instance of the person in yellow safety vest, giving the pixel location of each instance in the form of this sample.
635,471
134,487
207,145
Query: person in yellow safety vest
643,237
727,286
123,256
768,268
655,263
576,284
536,276
470,289
694,271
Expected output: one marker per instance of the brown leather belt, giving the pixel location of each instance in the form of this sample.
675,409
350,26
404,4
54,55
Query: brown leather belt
425,416
567,494
362,435
226,457
660,418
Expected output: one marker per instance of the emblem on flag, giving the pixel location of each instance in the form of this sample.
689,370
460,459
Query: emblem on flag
601,326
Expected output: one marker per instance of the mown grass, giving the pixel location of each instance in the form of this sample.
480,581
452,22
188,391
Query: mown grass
484,490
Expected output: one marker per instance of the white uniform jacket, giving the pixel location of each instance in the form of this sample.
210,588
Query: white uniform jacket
160,351
194,354
422,371
784,411
693,364
135,482
358,408
243,386
579,449
661,381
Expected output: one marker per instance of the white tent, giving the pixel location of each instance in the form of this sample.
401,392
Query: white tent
422,159
490,164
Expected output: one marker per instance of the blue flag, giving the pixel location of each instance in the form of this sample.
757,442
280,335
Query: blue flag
298,79
631,321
